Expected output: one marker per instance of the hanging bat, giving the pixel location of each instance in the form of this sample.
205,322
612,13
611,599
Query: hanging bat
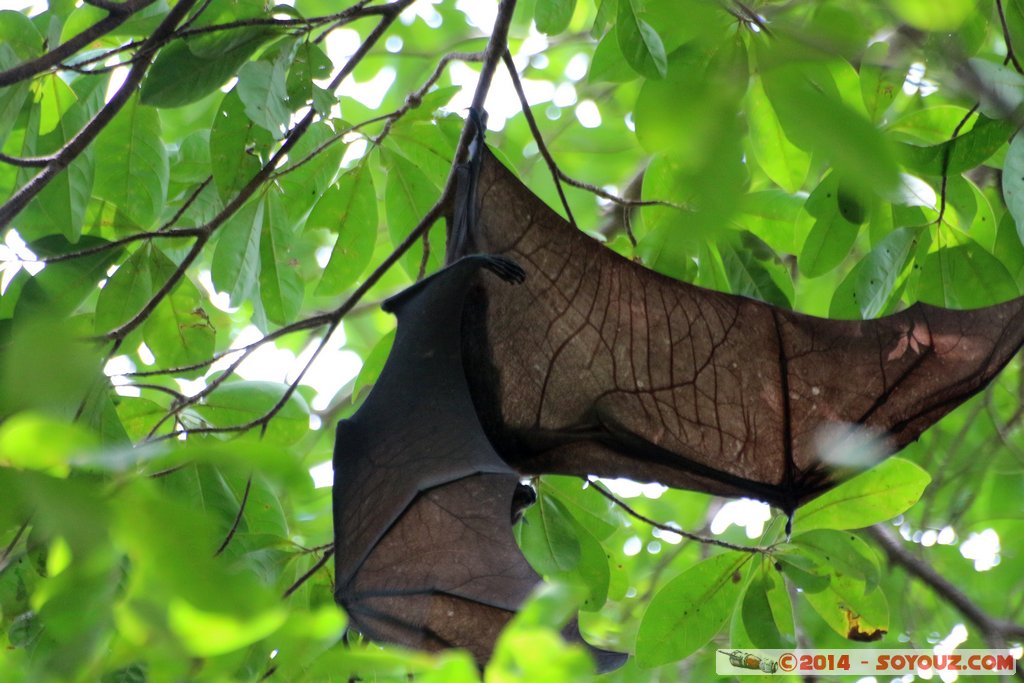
538,351
423,506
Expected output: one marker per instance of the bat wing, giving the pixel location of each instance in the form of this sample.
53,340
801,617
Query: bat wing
600,366
423,506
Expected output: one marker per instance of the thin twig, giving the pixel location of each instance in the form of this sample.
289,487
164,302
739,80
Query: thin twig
76,145
259,178
26,162
14,542
66,49
671,528
99,248
238,518
1010,56
538,138
312,570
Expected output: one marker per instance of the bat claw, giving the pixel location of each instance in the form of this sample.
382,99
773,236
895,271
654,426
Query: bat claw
505,268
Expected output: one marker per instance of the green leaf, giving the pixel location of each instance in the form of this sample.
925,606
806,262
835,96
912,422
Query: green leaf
207,634
60,205
281,288
133,171
963,153
842,552
408,197
187,70
30,441
61,287
607,64
126,291
234,144
548,537
815,117
756,611
867,290
261,87
178,331
594,512
934,15
236,260
1001,89
313,163
350,209
691,608
19,34
831,236
640,43
785,163
965,276
876,495
53,97
1013,182
553,16
750,276
46,366
310,63
852,610
238,403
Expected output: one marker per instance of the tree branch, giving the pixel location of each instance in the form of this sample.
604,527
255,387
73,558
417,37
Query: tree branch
992,629
57,55
76,145
496,46
671,528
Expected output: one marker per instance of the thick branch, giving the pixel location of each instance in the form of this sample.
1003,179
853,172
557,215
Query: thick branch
991,628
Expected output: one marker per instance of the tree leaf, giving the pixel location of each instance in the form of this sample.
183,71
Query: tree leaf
964,276
133,171
188,70
314,161
236,261
851,609
238,403
408,196
350,209
963,153
815,117
876,495
933,15
261,87
640,43
831,236
785,163
281,288
690,609
126,291
548,537
553,16
865,292
234,144
60,205
1013,182
179,331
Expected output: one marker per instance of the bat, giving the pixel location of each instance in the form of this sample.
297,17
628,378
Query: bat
537,350
423,505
